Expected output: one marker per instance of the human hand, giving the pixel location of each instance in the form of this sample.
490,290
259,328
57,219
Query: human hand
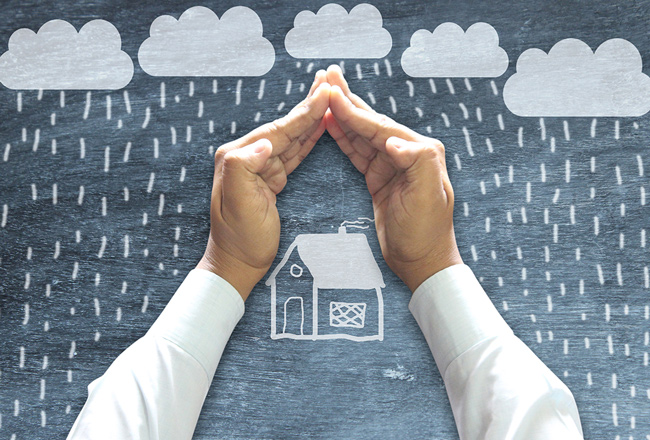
406,174
249,172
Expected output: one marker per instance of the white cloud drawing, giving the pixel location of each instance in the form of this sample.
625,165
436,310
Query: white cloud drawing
201,44
333,33
450,52
571,80
59,57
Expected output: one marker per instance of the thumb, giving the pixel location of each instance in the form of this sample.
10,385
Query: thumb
421,164
240,179
407,155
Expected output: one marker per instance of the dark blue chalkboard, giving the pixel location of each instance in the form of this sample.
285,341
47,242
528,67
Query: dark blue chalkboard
551,215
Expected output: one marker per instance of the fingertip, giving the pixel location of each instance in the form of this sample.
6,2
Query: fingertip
260,151
332,124
335,76
393,146
338,93
321,97
328,116
319,78
396,142
262,145
322,86
337,98
398,150
334,68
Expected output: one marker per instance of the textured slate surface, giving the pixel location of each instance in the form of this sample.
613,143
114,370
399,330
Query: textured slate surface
587,318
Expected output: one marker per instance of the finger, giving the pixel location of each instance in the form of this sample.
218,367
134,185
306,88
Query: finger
421,163
350,139
291,162
380,172
374,127
404,154
274,174
283,132
240,180
360,162
335,78
319,78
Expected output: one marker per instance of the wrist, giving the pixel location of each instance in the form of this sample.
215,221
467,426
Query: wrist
416,273
239,275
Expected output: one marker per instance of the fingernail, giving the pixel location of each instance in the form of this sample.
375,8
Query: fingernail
261,146
318,74
397,142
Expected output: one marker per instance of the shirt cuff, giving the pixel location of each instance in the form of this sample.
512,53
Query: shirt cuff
454,313
200,317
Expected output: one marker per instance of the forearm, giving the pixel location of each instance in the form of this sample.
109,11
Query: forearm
497,387
156,388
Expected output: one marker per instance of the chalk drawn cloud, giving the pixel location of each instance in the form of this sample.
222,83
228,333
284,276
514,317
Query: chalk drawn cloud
450,52
572,80
334,33
58,57
201,44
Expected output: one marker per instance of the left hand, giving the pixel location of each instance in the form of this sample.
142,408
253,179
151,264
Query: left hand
406,175
249,172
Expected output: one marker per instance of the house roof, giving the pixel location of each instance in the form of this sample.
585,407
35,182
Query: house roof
336,261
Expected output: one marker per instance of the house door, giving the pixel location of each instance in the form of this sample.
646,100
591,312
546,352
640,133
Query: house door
294,316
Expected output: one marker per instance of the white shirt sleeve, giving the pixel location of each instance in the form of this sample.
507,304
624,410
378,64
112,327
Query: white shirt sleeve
155,389
497,387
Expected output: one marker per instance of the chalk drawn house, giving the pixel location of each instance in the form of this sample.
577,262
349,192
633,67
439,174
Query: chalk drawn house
335,280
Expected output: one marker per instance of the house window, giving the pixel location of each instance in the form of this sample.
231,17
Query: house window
296,271
344,314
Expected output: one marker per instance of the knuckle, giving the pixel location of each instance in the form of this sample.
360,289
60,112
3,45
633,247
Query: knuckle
267,128
220,153
273,125
279,126
450,195
302,155
435,145
230,158
430,150
282,180
439,146
385,122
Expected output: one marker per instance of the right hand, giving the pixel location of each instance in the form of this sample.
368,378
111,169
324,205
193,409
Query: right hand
406,174
249,173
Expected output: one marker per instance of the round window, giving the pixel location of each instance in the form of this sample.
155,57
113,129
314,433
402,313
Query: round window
296,271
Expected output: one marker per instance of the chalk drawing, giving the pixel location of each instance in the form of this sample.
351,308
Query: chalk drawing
550,181
201,44
344,314
399,373
450,52
59,57
572,80
338,263
302,313
332,32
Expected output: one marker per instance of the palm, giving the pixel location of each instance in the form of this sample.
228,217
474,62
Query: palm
407,179
249,172
391,204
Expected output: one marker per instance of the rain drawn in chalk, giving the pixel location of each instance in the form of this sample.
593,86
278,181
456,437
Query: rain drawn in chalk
552,205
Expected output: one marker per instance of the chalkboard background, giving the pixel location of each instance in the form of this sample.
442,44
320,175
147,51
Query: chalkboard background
574,291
